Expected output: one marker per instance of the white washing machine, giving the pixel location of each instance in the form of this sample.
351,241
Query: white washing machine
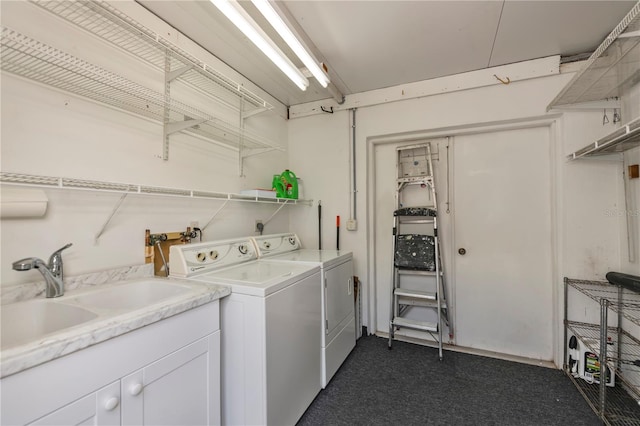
270,329
338,305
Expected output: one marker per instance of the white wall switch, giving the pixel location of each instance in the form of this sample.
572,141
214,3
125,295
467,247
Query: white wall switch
352,225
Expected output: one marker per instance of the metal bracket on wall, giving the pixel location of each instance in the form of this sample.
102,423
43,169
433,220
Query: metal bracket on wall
113,213
215,214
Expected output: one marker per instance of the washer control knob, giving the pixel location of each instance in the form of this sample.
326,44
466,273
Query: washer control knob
243,248
267,245
201,256
213,254
292,241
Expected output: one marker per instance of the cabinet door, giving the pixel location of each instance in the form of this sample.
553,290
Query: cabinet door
99,408
182,388
339,301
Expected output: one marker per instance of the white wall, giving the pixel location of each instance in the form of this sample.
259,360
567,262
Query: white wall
52,133
585,245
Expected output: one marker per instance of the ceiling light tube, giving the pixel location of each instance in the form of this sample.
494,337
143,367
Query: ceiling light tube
266,8
249,28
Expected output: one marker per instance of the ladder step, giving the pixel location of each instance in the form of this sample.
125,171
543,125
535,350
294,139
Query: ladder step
402,271
432,304
415,221
415,179
417,325
416,294
416,211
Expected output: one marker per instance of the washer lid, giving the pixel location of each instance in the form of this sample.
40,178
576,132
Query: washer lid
260,278
323,257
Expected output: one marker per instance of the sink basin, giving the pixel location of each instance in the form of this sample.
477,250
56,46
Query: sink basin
129,296
28,321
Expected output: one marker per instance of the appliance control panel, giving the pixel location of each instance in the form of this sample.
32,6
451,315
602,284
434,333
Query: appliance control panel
270,245
191,259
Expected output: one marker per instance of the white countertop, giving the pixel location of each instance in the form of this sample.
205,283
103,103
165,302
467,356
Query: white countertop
109,323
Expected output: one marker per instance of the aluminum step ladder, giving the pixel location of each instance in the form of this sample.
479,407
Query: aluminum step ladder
417,254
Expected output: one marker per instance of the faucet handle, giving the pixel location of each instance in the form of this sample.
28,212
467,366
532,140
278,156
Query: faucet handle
55,260
57,252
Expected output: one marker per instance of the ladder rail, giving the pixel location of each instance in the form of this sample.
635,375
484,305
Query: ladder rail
398,294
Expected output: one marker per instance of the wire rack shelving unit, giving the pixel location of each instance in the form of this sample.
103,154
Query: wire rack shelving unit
32,59
616,405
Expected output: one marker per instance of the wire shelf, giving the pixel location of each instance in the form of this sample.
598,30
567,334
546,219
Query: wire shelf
620,140
111,25
130,188
627,358
39,62
621,299
620,410
611,69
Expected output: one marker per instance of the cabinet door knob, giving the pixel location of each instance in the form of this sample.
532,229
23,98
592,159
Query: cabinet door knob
462,251
111,403
135,389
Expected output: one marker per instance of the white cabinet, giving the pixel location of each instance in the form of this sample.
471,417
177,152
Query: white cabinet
173,390
98,408
165,373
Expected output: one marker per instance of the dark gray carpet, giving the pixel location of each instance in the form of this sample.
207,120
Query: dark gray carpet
409,386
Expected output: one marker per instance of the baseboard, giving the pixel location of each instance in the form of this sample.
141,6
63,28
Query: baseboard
473,351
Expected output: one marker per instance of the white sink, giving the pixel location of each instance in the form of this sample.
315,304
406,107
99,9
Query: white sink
130,295
28,321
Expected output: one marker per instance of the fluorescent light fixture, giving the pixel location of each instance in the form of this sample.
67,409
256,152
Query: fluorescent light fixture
276,21
241,19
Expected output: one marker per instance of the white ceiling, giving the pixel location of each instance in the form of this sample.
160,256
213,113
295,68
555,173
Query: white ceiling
370,45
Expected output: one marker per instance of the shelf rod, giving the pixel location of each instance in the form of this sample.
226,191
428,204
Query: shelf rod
276,212
113,212
216,213
604,308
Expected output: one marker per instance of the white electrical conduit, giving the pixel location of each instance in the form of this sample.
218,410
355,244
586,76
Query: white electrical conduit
352,155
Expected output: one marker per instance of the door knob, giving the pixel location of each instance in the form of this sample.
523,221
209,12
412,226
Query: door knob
462,251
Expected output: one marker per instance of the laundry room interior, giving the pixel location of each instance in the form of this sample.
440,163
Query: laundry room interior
204,202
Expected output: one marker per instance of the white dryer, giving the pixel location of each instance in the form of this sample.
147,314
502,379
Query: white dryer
338,304
270,330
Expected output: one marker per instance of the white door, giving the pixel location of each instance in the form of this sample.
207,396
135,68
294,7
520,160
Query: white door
502,252
338,295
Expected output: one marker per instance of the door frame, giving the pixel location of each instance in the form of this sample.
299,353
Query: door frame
554,124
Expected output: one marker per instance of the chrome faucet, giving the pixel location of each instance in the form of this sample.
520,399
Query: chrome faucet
52,272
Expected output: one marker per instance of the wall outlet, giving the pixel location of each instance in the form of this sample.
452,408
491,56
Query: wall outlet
259,226
194,224
352,225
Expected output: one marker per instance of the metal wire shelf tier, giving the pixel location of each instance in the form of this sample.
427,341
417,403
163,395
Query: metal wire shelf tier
103,20
611,69
39,62
36,61
622,410
616,405
135,189
621,300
